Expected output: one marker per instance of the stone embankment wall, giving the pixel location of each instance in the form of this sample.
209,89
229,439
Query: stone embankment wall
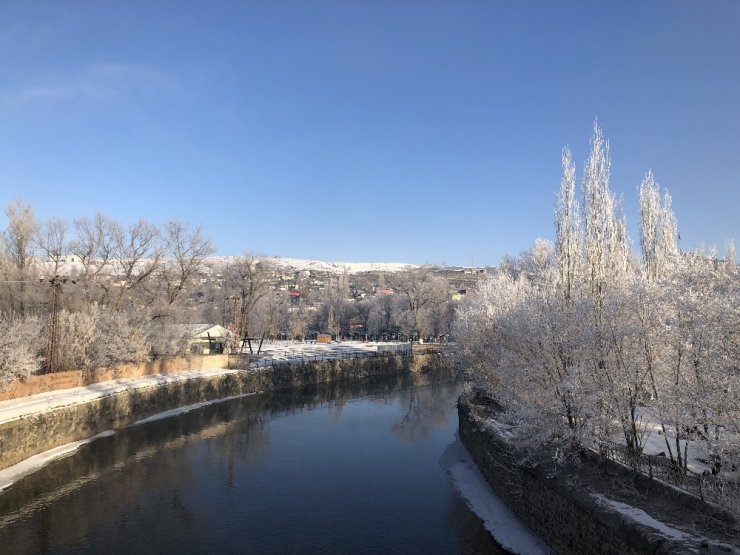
28,436
558,504
79,378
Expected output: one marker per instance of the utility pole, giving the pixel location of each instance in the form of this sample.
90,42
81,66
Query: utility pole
235,323
52,353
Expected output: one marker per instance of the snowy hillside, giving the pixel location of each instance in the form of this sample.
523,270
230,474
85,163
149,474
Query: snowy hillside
71,266
340,267
299,264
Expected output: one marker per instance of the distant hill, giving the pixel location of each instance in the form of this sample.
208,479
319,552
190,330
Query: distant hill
299,264
340,267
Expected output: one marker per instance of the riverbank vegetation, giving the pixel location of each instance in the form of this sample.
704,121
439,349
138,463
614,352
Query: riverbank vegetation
586,345
95,292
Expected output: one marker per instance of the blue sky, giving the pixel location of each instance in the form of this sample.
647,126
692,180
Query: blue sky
367,131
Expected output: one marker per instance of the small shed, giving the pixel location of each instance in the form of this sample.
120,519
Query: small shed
207,339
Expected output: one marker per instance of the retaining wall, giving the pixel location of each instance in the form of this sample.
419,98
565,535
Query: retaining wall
28,436
79,378
558,505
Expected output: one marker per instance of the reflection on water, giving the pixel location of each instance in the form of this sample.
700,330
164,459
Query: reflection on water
427,408
331,468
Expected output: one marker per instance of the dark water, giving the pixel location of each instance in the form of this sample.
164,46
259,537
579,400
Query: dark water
338,468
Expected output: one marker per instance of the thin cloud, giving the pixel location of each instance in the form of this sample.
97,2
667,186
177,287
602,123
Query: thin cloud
94,86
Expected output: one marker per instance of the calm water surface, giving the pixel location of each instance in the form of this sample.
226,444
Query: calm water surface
336,468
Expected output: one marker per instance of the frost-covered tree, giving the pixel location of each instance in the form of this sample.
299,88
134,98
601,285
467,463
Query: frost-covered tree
20,233
594,349
649,223
249,278
605,241
119,338
19,347
102,337
50,240
165,337
634,317
137,255
658,230
77,332
92,246
523,341
606,258
699,391
419,290
18,254
384,315
185,251
567,229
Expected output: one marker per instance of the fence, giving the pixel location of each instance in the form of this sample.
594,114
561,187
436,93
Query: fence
707,487
283,357
429,348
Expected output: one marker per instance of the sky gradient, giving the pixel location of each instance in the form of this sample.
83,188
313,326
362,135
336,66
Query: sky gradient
367,131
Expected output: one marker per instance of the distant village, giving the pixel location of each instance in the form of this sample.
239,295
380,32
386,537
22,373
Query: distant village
95,292
315,297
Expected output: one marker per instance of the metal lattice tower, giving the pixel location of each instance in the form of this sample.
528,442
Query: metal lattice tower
235,323
52,353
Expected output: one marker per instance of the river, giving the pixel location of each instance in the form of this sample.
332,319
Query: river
333,468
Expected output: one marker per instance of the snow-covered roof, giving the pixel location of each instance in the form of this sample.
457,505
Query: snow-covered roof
203,330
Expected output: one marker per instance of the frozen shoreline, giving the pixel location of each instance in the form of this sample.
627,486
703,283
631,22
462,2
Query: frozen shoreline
505,526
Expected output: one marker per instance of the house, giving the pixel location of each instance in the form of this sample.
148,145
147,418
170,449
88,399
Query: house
206,339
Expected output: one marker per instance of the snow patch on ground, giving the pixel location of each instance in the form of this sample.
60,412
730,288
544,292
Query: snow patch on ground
10,475
500,429
654,443
641,517
499,520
